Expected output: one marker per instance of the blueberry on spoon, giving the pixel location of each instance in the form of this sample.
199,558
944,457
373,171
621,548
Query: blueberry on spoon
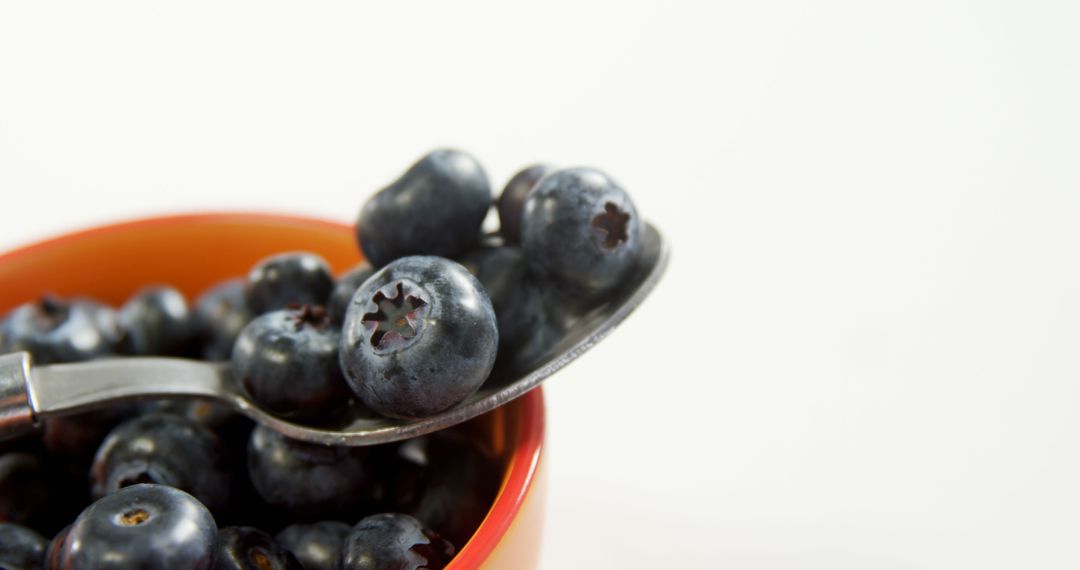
419,337
288,362
581,231
512,200
435,208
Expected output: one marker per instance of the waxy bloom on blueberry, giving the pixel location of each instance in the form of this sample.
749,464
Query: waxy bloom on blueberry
288,362
512,200
420,336
394,541
142,526
435,208
580,230
288,280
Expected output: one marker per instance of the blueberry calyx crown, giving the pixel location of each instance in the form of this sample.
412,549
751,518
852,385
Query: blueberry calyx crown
260,558
437,552
311,315
612,224
134,517
396,319
51,313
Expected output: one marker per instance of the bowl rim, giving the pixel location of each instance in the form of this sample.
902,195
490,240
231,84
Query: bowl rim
210,216
521,471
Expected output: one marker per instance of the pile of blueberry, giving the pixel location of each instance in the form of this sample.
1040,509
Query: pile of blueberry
411,332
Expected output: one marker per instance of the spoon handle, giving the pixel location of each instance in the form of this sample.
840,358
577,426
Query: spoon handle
16,415
29,394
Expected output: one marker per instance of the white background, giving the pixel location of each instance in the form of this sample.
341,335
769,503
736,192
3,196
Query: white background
865,352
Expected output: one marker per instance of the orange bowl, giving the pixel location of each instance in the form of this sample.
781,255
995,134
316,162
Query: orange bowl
192,252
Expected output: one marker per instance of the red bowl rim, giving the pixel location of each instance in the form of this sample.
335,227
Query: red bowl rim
525,458
170,220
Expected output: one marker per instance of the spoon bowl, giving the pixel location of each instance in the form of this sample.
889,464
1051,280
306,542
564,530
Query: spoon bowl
30,394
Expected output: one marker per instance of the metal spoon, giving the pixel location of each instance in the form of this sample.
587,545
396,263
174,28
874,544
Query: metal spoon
32,394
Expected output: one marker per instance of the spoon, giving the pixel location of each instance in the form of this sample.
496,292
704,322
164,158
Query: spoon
31,394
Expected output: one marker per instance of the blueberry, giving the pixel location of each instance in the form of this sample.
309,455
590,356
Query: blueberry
55,549
394,541
403,471
21,548
24,486
458,484
346,287
580,231
41,491
435,208
233,429
512,200
79,435
420,337
219,316
308,478
212,414
521,308
56,330
165,449
317,545
142,526
155,321
247,548
446,479
288,362
288,279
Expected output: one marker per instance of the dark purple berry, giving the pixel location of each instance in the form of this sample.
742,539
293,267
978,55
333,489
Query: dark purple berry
394,541
57,330
317,545
155,321
212,414
435,208
521,307
41,491
346,287
24,487
220,314
458,484
247,548
286,280
165,449
21,548
142,526
288,362
55,549
512,200
308,478
79,435
420,337
580,231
